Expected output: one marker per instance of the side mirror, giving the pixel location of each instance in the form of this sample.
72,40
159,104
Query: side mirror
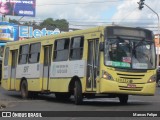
101,46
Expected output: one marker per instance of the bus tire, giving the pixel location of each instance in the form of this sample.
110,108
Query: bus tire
24,89
78,98
123,99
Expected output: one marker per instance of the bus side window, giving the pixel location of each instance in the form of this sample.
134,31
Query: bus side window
6,57
23,54
76,48
61,49
34,53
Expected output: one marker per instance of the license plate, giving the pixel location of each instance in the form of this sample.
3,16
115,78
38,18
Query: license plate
131,86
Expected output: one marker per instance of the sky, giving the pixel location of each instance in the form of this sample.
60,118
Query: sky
89,13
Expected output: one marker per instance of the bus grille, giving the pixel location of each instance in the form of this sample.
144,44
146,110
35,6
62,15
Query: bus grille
131,76
130,89
134,77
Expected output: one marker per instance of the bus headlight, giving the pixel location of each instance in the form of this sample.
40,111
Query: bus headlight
106,75
152,79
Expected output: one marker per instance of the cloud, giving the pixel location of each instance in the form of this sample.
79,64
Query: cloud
67,9
85,12
89,13
129,14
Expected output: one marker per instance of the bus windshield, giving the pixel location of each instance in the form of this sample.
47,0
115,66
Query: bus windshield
130,53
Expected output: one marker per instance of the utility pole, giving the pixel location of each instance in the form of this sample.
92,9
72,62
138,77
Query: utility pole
141,5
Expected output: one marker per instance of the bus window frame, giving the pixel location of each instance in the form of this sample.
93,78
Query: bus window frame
30,53
20,54
6,55
55,49
76,48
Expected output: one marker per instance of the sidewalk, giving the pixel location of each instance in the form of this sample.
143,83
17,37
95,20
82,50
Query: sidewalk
3,103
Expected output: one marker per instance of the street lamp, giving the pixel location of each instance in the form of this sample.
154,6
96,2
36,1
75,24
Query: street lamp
141,3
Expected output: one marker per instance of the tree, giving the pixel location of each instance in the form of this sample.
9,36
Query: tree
14,21
49,23
62,24
27,23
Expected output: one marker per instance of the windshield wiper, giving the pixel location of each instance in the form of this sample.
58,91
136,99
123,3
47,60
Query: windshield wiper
134,48
139,43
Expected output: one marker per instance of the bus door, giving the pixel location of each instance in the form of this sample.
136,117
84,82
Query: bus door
14,54
46,66
92,64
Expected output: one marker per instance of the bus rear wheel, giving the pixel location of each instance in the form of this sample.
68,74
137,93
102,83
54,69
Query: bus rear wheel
24,89
78,93
123,99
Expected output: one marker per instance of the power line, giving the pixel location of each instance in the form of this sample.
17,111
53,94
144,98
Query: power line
94,2
133,10
96,22
145,25
108,19
93,20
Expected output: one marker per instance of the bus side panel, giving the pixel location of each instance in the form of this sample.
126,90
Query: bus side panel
34,84
6,83
62,72
32,73
62,84
17,84
59,84
83,82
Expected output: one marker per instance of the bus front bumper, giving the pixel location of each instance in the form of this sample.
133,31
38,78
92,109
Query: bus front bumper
108,86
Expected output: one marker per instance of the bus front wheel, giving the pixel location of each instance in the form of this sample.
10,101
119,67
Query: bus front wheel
123,99
78,93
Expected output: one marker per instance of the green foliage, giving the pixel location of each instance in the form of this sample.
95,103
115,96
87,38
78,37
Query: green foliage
13,21
48,23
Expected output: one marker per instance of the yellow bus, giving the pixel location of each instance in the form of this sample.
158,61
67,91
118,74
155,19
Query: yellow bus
105,61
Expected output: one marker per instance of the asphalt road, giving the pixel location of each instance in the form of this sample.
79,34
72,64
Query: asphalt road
11,101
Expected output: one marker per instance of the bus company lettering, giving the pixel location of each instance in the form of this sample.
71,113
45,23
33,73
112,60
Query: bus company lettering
62,68
68,69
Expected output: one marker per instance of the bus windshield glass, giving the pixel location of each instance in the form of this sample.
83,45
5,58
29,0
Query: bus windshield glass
130,53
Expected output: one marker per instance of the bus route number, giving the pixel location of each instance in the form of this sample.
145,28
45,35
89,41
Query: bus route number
25,69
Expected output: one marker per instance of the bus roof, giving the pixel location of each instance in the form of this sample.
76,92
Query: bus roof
61,35
65,34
